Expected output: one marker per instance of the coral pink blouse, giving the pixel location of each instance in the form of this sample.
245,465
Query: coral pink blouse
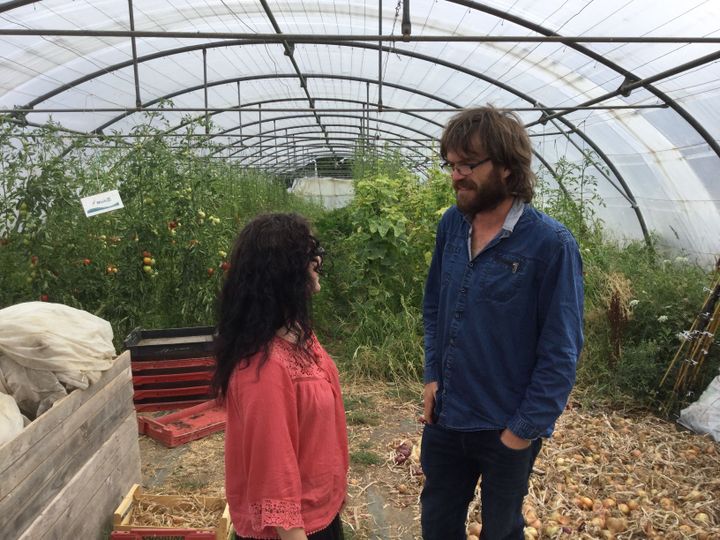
286,449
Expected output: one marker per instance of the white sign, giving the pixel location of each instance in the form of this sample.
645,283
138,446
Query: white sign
101,203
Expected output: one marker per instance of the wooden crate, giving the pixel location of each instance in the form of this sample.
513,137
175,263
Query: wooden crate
65,473
124,525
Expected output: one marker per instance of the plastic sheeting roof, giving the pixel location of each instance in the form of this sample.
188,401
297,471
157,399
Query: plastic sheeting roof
637,82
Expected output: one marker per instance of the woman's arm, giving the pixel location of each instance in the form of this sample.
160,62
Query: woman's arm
296,533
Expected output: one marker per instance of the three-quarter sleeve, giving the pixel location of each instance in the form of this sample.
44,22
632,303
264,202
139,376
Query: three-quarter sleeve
262,447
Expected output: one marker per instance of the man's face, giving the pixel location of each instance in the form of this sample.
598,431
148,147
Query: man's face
483,188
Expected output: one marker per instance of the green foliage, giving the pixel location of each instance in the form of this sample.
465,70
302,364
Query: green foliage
379,249
664,296
574,200
181,211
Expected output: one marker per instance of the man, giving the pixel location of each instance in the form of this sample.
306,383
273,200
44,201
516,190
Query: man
503,330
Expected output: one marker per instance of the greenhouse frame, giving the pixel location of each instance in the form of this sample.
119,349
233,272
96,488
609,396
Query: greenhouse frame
279,85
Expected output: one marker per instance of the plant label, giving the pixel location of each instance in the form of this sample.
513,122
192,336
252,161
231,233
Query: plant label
101,203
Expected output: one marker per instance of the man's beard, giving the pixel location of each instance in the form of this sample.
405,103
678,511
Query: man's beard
481,198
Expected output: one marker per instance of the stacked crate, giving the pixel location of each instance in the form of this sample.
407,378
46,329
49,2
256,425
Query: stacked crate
171,368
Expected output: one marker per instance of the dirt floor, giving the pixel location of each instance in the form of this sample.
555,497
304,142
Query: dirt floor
604,474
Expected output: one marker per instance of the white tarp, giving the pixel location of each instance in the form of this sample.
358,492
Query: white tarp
11,421
46,348
703,416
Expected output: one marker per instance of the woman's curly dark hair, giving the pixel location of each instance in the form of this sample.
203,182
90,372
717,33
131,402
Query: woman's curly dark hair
267,287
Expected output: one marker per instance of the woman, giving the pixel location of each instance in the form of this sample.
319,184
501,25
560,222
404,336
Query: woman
286,453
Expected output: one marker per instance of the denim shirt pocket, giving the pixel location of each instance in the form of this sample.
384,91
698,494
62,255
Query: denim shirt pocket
502,277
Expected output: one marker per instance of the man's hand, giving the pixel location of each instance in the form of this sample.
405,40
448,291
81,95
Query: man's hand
509,439
429,392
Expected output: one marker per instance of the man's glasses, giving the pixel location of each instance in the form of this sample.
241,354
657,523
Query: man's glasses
463,169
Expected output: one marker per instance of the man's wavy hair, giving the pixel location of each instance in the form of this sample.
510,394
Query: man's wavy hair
267,287
488,132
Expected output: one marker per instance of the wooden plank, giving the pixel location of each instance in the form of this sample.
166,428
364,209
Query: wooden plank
39,430
23,504
122,511
94,522
83,509
224,529
57,434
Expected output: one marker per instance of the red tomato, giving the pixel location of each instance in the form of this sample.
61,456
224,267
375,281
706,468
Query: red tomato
146,254
44,298
210,271
86,262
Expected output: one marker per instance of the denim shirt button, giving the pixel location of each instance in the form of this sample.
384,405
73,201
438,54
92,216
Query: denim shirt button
463,290
458,314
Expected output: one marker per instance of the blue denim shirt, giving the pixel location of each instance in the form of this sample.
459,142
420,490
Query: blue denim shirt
503,331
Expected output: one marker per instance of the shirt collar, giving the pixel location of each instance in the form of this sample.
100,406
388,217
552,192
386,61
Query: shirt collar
513,215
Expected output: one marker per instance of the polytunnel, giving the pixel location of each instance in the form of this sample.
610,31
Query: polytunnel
633,83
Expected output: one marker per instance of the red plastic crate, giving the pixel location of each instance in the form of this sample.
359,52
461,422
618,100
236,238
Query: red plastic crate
171,384
171,392
169,404
173,363
201,376
186,425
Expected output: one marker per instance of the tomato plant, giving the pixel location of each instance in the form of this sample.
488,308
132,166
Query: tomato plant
143,265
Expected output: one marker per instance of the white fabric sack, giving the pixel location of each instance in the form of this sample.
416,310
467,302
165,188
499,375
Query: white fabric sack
72,343
11,421
703,416
34,390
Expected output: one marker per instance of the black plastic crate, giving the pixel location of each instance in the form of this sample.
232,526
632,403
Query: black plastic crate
170,343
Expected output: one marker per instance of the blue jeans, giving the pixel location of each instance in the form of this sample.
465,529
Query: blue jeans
453,461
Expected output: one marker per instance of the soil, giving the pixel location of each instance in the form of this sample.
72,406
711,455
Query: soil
604,474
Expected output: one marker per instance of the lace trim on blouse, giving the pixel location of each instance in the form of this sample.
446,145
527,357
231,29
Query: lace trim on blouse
299,363
275,513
